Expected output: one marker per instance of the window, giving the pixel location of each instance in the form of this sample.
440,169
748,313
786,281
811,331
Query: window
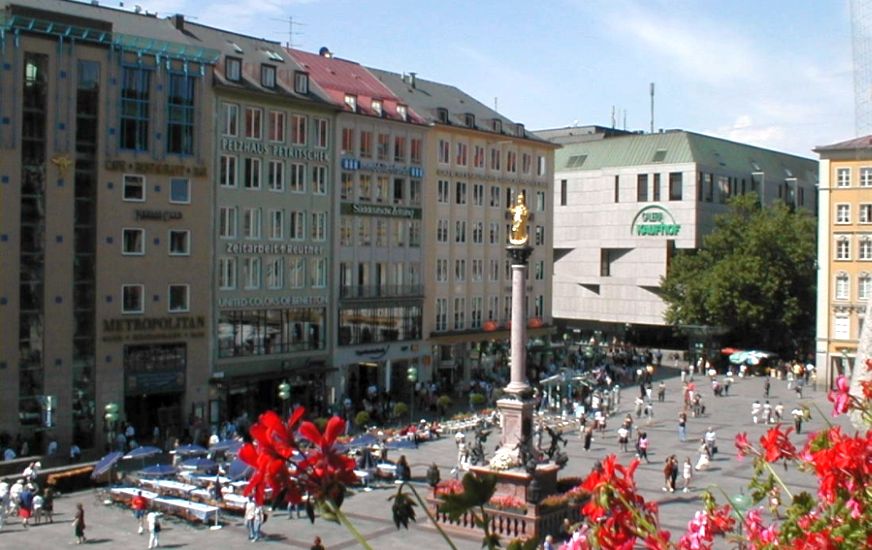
526,162
494,271
322,136
180,115
268,76
676,182
843,287
459,313
319,272
477,269
469,120
843,248
478,156
399,149
460,192
178,298
347,141
384,145
319,226
132,298
251,178
865,249
865,177
180,242
416,149
402,112
865,213
351,102
843,213
297,272
441,270
441,314
298,225
540,270
226,273
253,123
319,180
276,175
346,189
444,152
251,272
414,191
364,231
655,193
233,68
381,232
251,223
511,162
442,231
381,188
399,190
442,191
461,158
364,186
299,129
477,194
495,196
864,287
180,191
135,97
642,187
231,119
276,126
494,233
276,225
564,192
540,235
540,165
843,177
227,222
376,106
301,82
540,201
274,274
133,241
617,188
459,271
493,306
841,327
495,159
133,188
477,232
366,144
298,178
460,231
228,171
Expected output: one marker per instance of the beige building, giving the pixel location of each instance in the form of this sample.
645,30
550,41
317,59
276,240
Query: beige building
844,252
104,222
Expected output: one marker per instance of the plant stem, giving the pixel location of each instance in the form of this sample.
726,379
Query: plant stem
343,519
429,515
827,420
778,479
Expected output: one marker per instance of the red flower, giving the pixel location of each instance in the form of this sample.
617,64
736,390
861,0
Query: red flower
839,397
776,444
743,446
273,446
325,469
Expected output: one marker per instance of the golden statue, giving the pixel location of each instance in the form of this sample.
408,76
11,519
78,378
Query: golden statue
520,214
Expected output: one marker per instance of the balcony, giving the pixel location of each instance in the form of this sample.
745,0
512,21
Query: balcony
380,291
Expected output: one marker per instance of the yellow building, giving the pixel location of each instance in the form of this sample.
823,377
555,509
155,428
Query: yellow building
844,252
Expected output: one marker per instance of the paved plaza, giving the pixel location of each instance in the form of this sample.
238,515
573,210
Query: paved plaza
112,526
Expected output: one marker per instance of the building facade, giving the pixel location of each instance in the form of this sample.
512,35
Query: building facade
104,222
844,253
477,162
624,203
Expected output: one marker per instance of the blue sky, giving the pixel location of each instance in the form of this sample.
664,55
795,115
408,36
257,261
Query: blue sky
773,73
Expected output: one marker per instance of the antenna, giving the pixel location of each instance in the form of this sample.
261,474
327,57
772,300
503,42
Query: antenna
291,32
613,117
625,119
652,107
496,104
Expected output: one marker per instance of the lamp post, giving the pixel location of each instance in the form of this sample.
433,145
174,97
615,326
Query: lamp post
284,395
412,377
741,503
110,417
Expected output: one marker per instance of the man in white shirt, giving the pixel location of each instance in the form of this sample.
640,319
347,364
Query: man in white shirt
711,442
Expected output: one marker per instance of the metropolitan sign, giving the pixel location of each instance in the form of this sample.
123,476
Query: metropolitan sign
654,221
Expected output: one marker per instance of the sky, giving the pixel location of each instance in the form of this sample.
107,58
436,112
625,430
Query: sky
772,73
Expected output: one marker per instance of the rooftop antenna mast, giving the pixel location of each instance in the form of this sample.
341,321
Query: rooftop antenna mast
291,32
652,107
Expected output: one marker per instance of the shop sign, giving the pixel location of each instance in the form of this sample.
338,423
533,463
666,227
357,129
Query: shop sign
231,145
381,210
259,301
275,248
464,174
654,221
157,168
157,215
134,328
352,164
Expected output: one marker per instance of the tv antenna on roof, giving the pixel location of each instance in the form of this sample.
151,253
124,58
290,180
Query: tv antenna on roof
291,32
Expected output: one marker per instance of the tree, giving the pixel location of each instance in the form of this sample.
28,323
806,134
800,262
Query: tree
754,275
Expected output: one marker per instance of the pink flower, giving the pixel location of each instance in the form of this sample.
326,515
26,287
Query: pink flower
839,397
855,508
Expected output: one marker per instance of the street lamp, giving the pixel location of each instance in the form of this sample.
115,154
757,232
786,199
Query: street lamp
284,395
412,377
741,503
110,417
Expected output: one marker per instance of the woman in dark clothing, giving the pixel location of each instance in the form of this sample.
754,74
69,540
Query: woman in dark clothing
404,473
79,524
588,437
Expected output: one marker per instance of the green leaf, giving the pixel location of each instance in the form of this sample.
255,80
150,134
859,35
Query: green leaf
479,489
520,544
403,509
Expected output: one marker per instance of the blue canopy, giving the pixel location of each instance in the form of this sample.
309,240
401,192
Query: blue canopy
239,470
200,465
363,440
227,445
142,452
186,450
159,470
400,444
105,464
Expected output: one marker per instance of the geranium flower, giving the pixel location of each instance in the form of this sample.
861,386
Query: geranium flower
839,397
326,471
777,445
743,446
268,455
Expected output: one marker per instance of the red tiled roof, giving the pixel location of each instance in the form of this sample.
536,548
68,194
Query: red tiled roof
864,142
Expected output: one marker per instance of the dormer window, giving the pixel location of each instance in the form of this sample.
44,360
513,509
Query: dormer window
469,120
402,112
519,130
268,76
351,102
498,126
377,107
233,68
442,115
301,82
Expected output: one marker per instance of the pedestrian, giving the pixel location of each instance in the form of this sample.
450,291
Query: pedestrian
25,505
767,413
640,404
79,524
642,447
798,415
259,519
682,426
248,517
48,503
14,495
623,437
766,386
316,545
38,501
403,471
139,504
4,502
779,411
549,543
775,502
667,475
687,474
588,438
711,441
154,528
661,391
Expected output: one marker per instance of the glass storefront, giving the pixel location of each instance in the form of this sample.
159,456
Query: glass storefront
366,325
244,333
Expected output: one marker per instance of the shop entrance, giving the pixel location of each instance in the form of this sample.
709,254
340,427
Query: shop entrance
164,411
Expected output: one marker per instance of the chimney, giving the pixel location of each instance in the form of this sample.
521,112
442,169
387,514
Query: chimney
412,80
179,21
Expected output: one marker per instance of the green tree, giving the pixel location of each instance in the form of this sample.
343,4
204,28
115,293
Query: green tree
754,274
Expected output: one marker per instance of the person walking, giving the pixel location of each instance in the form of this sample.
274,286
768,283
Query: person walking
154,528
316,544
642,447
667,475
79,524
711,441
259,520
48,503
779,412
767,413
682,426
25,505
798,416
704,458
756,407
138,504
4,502
248,517
766,385
623,437
403,472
686,474
661,391
588,438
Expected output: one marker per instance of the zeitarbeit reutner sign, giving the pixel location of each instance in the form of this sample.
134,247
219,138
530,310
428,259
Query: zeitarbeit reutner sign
654,221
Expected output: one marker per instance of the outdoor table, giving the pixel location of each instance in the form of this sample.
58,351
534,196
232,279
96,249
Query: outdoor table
229,501
192,511
362,476
126,494
169,487
387,470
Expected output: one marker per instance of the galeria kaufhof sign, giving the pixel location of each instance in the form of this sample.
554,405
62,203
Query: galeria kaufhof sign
654,221
230,145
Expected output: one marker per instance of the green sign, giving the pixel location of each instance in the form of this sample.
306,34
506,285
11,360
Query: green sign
384,210
654,221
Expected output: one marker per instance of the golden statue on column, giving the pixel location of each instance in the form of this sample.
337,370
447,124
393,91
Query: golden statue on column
520,215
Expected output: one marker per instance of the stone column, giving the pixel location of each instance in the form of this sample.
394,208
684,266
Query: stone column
518,384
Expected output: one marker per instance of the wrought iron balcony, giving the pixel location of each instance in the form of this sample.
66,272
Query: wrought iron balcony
380,291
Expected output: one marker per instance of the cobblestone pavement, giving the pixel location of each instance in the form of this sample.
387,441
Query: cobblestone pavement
111,526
